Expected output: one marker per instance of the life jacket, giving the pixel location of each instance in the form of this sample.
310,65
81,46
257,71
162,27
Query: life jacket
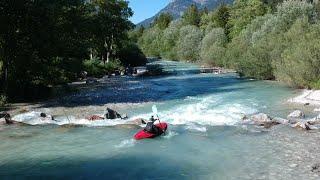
151,128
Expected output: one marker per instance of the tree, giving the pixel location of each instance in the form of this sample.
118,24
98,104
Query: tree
212,47
191,16
112,19
169,41
163,20
188,43
150,42
44,42
135,34
243,12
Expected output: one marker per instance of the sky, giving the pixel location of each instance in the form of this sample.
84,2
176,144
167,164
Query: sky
144,9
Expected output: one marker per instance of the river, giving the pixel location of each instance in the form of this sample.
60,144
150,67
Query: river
205,140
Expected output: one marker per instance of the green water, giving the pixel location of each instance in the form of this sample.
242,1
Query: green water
206,139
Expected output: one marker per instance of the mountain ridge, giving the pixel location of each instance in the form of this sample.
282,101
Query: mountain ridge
177,7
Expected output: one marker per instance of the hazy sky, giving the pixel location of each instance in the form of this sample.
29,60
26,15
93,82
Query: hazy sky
144,9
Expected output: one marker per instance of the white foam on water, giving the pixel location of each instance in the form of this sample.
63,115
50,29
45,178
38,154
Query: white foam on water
194,127
33,118
126,143
210,111
170,134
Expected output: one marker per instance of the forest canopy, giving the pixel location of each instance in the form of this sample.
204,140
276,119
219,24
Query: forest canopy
262,39
49,42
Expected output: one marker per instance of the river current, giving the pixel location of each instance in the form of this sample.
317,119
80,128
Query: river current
206,138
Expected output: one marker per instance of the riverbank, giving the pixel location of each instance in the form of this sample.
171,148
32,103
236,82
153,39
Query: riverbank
307,97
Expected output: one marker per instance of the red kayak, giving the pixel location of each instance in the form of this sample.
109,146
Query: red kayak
142,134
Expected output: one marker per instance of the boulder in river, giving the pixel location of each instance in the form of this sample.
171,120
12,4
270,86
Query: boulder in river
316,168
305,125
262,119
296,114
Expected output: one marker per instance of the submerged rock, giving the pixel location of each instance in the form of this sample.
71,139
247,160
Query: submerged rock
316,168
305,125
296,114
281,120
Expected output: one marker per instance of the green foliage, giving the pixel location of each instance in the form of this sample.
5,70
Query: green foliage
301,58
315,84
188,43
150,42
97,68
43,43
163,21
135,34
212,47
262,39
3,100
192,16
131,54
216,19
169,41
243,12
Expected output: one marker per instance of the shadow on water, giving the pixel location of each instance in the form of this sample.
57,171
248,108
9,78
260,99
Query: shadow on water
138,166
139,90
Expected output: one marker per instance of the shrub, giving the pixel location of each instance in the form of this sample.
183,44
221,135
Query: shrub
3,100
212,47
188,43
131,54
96,67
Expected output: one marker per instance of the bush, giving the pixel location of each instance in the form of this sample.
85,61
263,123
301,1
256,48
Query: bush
212,47
3,100
169,40
150,42
131,54
300,61
97,68
188,43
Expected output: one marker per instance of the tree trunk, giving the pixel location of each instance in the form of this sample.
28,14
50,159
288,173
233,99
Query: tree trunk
108,57
91,54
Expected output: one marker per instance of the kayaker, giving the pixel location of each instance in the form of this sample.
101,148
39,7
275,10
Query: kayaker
112,114
8,119
151,128
44,116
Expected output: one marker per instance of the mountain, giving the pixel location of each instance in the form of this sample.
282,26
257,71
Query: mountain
177,7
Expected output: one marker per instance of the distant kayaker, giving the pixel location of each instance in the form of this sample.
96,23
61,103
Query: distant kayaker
111,114
7,118
44,116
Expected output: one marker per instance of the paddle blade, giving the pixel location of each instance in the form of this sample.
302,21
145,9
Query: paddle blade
154,109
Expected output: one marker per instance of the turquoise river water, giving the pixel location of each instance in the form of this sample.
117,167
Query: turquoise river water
205,140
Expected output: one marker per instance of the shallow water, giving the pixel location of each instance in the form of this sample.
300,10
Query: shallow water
206,139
